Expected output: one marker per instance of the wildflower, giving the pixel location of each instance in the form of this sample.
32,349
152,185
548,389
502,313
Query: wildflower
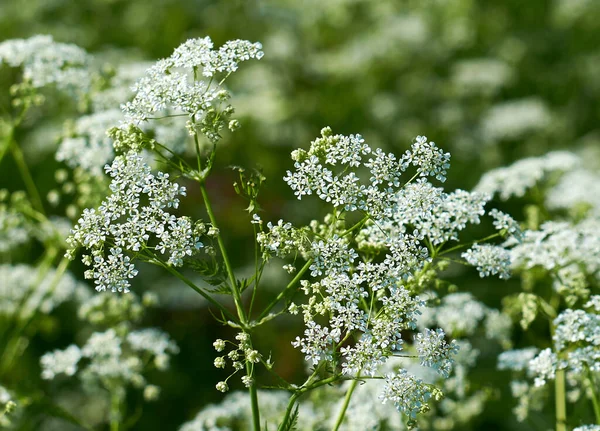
125,217
489,260
46,62
222,387
435,352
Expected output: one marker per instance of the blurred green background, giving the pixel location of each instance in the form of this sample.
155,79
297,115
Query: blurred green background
489,81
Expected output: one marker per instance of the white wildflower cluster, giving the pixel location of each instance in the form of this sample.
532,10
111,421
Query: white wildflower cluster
568,252
576,188
125,220
587,428
480,75
543,366
108,358
25,290
578,334
45,62
346,191
505,223
518,178
575,349
489,260
461,315
14,230
175,84
234,413
409,394
242,354
514,119
281,239
87,145
435,352
405,218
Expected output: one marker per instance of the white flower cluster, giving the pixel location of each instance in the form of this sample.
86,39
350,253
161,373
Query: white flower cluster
569,252
25,289
578,187
587,428
578,333
408,393
45,62
405,217
281,239
125,220
346,191
13,228
435,352
515,118
175,84
522,175
111,357
460,315
489,260
505,223
87,145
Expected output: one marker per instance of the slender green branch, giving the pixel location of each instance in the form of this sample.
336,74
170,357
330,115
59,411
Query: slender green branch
342,412
191,284
253,397
458,247
27,177
285,291
232,280
594,395
560,401
115,410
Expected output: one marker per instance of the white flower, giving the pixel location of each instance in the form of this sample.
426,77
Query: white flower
435,352
522,175
513,119
543,367
136,209
409,394
60,361
489,260
45,62
516,360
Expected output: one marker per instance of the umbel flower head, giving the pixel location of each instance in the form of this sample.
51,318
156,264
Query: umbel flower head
189,83
45,62
133,214
364,278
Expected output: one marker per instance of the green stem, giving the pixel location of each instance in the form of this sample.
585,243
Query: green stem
205,295
27,177
342,412
469,243
594,395
253,398
115,410
234,290
285,291
560,401
7,142
288,410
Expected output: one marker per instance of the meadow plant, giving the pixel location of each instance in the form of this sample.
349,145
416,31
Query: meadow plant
387,340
